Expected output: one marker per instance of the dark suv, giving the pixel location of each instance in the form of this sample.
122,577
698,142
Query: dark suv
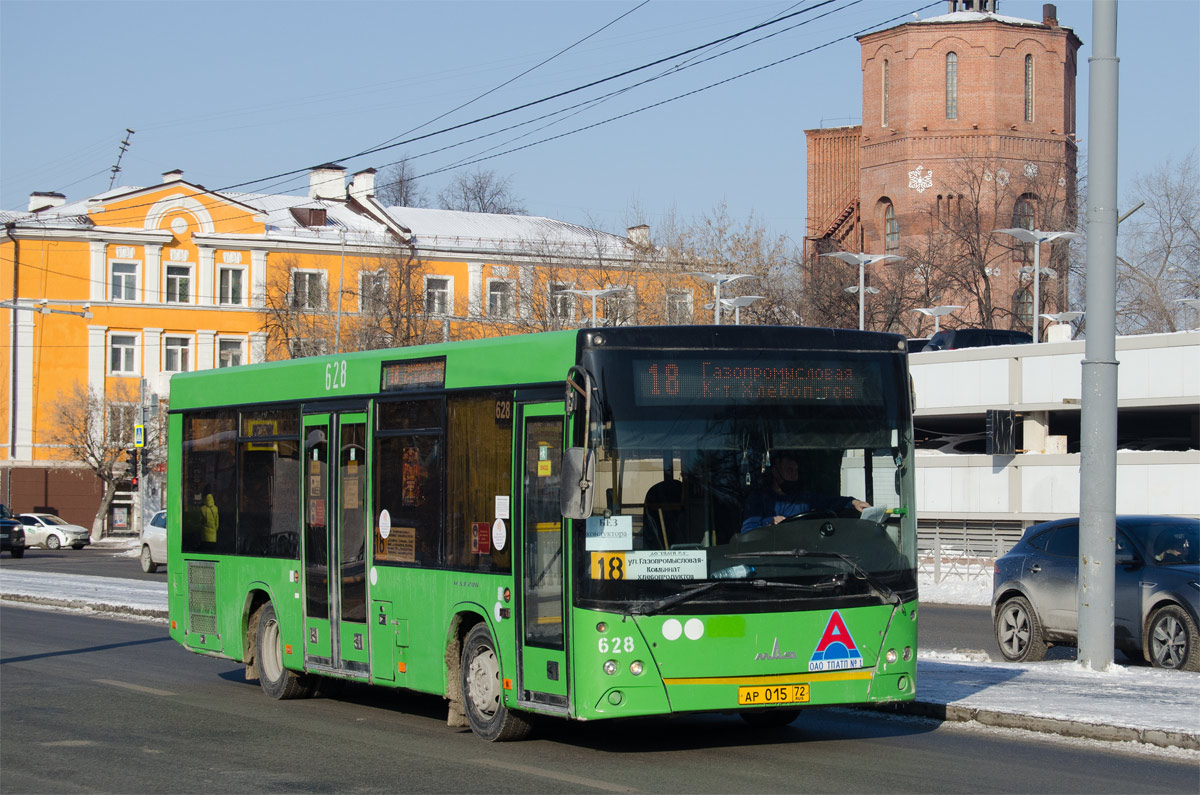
953,339
1156,599
12,537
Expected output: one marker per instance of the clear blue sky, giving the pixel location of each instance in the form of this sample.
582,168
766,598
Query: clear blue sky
231,92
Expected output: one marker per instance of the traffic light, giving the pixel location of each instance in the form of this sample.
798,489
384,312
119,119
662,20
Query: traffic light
134,458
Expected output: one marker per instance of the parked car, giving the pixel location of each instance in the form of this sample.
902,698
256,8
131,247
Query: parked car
953,339
12,537
154,543
49,531
1156,599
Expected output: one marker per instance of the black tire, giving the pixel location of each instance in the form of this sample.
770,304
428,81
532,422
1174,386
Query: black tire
1171,640
483,691
77,546
277,682
18,552
1018,632
769,718
148,564
53,542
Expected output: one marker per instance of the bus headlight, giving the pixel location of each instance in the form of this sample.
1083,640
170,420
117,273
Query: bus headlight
610,667
635,668
891,656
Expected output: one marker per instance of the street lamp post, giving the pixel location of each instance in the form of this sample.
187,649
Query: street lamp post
716,280
936,312
1037,238
862,261
594,295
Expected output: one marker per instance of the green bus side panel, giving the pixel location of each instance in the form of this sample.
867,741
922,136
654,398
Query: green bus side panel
522,359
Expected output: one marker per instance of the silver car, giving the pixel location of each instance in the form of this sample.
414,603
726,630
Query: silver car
49,531
154,543
1156,599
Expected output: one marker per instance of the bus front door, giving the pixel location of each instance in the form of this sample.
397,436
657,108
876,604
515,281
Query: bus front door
543,658
335,538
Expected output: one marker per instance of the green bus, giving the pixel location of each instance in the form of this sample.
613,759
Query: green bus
585,524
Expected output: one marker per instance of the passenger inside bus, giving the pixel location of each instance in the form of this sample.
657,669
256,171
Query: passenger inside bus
780,494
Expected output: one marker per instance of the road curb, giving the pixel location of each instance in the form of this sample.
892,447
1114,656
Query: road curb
1061,726
89,605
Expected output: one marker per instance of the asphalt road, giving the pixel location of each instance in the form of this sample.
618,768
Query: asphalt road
103,705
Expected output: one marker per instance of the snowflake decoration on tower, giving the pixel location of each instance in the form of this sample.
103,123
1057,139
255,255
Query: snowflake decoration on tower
1062,182
918,181
1031,170
987,176
1002,177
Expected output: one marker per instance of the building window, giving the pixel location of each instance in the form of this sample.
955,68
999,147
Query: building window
679,307
230,288
952,85
884,108
618,308
308,290
437,295
299,347
1028,88
501,298
179,284
229,353
1023,218
891,229
1023,307
177,354
124,281
562,304
372,292
122,349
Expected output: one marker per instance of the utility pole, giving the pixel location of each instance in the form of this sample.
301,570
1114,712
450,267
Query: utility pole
1098,418
116,169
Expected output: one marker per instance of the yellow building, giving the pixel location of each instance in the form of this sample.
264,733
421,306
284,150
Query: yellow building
118,291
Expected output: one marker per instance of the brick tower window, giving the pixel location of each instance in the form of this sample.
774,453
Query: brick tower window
884,107
951,85
1028,88
891,229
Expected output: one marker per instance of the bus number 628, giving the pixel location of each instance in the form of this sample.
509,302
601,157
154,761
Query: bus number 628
335,375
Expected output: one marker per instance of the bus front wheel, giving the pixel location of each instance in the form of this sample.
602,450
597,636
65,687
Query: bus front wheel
483,690
276,680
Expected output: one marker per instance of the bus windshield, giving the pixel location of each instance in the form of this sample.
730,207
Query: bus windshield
747,481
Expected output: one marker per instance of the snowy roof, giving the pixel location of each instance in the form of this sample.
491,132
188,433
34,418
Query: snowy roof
483,232
977,16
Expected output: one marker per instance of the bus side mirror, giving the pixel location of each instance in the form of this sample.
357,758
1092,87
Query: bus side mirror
578,479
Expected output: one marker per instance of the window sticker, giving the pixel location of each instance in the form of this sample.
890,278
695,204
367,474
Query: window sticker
400,545
499,534
502,507
385,523
481,538
609,533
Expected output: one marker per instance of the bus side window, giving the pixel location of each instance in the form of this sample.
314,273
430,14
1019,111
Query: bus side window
478,469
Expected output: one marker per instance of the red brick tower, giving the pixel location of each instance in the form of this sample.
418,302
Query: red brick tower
967,115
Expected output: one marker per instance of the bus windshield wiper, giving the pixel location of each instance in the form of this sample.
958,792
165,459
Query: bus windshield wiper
877,586
686,596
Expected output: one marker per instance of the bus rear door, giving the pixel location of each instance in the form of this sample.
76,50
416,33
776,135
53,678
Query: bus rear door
335,538
543,666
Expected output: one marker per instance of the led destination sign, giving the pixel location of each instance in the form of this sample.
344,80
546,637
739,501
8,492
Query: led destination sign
666,382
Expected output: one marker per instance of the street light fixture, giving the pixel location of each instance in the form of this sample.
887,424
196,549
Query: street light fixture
936,312
1037,238
594,295
738,303
862,261
717,280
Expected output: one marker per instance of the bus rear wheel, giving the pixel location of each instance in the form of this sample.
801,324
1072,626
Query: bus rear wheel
276,680
483,691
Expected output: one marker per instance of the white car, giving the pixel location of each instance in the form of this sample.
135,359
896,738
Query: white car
49,531
154,543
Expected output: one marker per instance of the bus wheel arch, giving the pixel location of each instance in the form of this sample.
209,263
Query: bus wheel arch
456,635
255,599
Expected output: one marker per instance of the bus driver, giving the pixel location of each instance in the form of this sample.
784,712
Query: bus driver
779,496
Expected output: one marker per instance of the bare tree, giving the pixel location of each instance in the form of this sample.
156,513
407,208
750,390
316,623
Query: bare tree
382,297
96,431
397,186
481,191
1160,267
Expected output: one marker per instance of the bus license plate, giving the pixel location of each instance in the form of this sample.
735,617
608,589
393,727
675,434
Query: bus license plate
773,694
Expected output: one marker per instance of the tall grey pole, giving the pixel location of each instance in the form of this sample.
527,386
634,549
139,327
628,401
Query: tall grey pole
862,297
1037,292
1098,459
